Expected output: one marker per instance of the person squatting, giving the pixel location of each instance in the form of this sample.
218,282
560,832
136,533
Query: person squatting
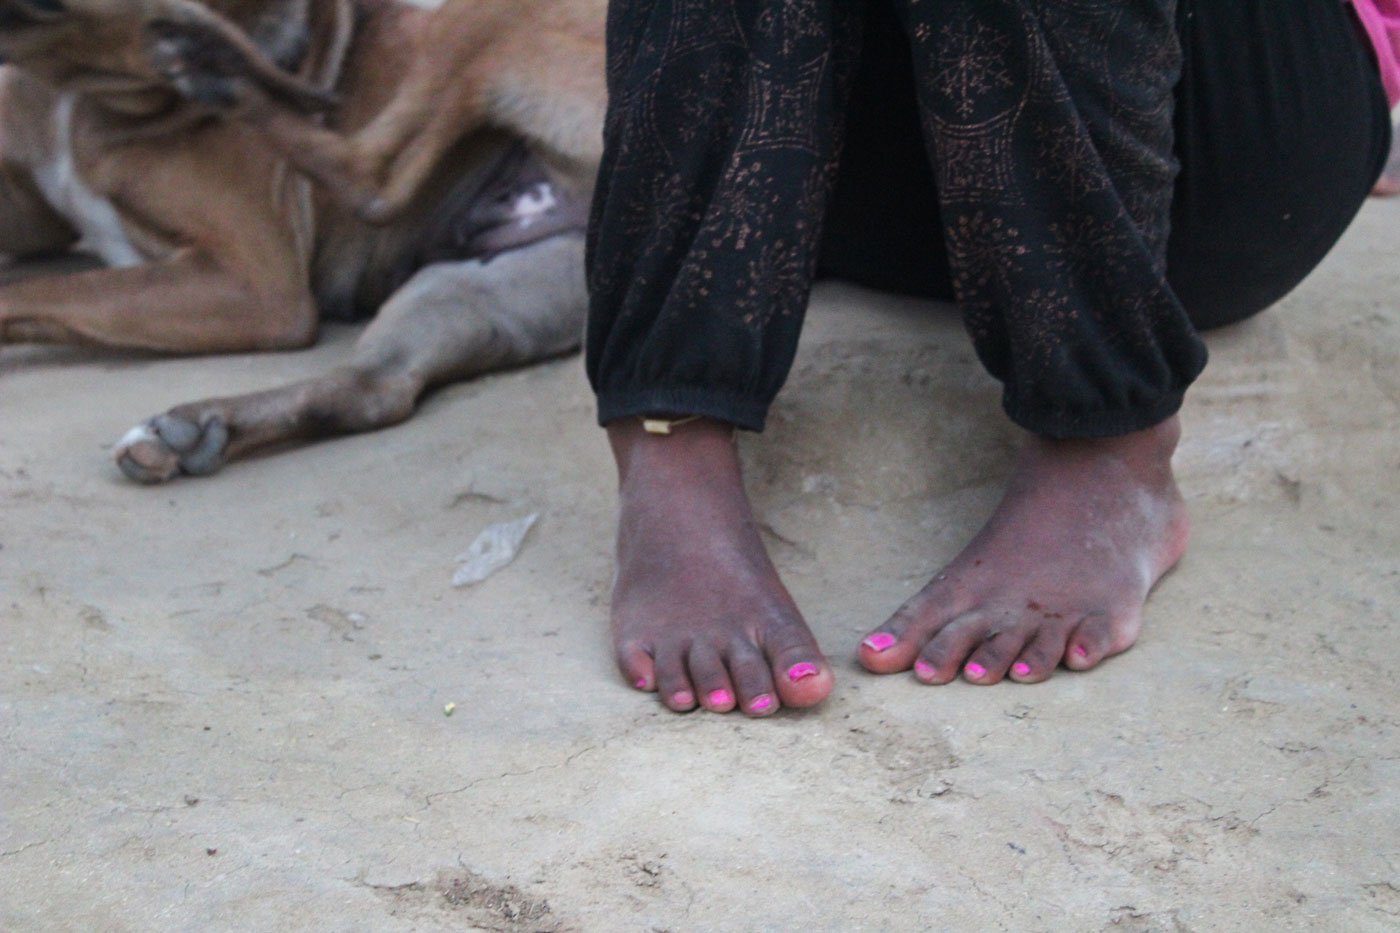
1094,182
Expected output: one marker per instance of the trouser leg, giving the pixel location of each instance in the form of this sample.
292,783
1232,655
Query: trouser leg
720,150
1052,131
1049,125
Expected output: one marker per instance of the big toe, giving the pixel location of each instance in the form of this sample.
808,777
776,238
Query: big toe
883,652
802,675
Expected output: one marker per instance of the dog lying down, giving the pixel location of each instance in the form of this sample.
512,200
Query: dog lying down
452,151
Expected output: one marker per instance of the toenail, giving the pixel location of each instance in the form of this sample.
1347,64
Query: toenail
761,703
975,670
801,671
879,641
683,698
721,698
641,683
925,670
1022,669
1081,651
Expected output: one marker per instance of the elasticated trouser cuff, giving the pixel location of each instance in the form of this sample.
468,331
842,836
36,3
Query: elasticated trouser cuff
744,413
1089,425
751,415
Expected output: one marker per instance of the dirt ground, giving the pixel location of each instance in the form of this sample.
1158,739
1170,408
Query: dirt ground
222,701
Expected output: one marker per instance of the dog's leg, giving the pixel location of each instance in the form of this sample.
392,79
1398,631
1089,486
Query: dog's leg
398,151
475,65
449,322
184,304
211,61
411,135
28,225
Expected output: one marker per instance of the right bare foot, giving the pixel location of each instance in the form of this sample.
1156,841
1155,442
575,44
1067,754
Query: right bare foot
699,614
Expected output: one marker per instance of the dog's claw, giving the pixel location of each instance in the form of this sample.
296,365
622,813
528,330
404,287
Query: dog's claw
167,445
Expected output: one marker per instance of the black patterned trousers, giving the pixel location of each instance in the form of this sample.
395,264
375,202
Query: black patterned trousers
1091,180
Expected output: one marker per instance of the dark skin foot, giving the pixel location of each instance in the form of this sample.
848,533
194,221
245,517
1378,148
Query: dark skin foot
1388,185
1058,575
698,613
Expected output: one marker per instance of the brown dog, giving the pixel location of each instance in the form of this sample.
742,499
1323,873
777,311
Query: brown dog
530,67
156,133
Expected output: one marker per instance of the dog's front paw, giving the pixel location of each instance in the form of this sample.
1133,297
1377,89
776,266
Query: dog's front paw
167,446
200,70
210,64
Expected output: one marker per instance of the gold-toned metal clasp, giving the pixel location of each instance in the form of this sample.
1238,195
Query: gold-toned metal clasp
665,426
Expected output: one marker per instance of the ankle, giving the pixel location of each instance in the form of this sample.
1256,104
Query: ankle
702,449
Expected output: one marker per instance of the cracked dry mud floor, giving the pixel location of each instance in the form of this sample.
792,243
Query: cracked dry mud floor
221,702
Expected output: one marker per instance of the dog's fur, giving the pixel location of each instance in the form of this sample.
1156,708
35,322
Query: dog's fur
533,67
170,137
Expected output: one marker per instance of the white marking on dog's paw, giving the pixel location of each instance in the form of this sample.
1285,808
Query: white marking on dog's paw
144,457
142,432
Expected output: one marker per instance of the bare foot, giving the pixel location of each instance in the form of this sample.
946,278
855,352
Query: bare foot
1060,572
1388,185
699,614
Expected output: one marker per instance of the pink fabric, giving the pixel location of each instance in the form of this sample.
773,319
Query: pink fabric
1382,21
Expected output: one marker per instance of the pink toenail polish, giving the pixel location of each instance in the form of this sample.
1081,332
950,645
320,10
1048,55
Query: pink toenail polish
761,703
975,670
801,671
1022,669
721,698
641,683
683,699
880,641
925,670
1081,651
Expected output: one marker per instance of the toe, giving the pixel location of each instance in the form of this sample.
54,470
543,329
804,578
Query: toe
638,668
1041,655
883,652
799,670
991,661
201,446
753,680
144,457
181,434
1101,635
894,646
947,651
714,690
890,648
673,683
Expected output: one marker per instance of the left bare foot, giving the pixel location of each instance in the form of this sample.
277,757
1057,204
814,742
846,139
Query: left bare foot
1060,572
